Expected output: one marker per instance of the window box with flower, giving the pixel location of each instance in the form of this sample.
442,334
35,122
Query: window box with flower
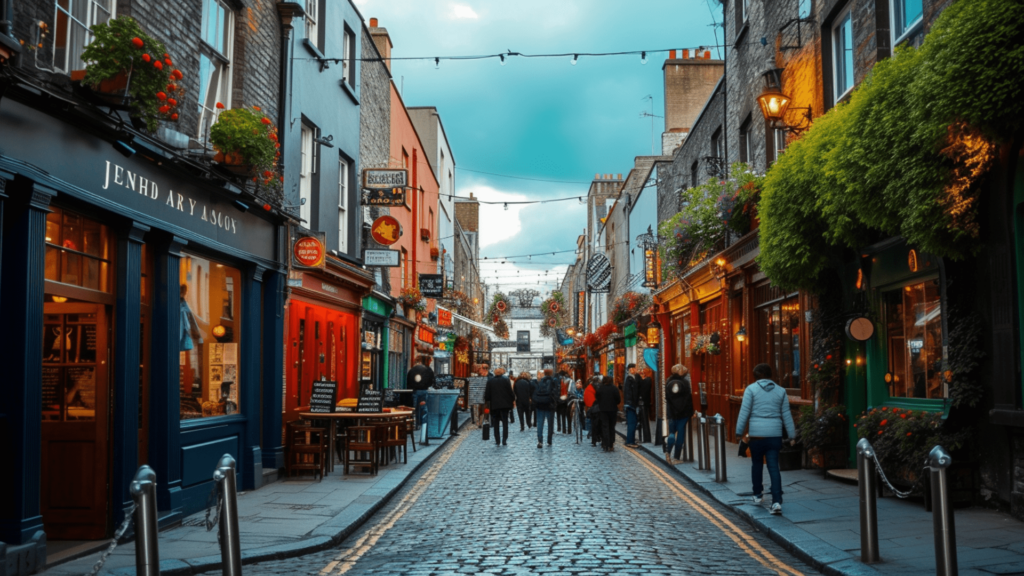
247,144
412,298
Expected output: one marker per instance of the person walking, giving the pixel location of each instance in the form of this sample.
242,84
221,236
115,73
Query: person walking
544,397
631,401
608,398
499,393
563,403
679,409
523,389
419,379
589,401
764,415
646,406
580,412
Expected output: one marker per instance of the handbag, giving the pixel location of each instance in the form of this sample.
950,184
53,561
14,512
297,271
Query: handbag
744,449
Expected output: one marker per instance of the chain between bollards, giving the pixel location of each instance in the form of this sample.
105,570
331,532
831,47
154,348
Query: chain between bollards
230,546
942,513
866,485
720,469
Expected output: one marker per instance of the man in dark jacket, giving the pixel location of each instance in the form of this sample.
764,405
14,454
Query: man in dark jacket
646,406
608,398
631,401
419,379
545,394
499,393
523,389
679,409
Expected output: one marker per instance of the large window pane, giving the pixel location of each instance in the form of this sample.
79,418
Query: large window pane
209,339
906,14
78,251
843,55
913,323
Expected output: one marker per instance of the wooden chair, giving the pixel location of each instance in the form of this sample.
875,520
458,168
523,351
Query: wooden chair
410,431
395,440
361,441
306,449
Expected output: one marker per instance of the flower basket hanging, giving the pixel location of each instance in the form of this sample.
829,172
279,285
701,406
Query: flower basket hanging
247,144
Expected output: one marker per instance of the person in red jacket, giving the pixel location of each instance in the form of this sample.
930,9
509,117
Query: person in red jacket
589,397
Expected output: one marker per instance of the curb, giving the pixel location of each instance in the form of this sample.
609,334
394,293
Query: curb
327,535
810,549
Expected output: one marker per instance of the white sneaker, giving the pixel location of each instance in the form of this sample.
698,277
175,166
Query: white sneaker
776,509
757,499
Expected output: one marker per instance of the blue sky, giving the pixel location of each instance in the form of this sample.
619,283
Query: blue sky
539,118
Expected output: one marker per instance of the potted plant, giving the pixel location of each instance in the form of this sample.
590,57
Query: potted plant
246,143
823,435
128,68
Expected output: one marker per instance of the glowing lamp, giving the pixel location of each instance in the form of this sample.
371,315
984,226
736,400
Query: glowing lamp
741,336
773,104
219,331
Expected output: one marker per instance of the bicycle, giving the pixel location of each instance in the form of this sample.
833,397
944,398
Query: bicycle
574,408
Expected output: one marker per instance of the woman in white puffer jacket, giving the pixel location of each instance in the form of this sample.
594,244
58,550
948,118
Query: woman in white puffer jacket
763,414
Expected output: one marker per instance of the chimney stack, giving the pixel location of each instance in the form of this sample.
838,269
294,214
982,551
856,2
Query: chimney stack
689,82
382,40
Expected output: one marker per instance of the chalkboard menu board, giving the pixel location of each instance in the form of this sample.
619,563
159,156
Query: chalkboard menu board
391,397
322,400
444,381
370,401
476,389
431,285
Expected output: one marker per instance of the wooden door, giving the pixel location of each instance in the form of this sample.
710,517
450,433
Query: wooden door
712,320
76,399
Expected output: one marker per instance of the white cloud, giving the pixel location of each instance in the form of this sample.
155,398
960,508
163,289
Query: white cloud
462,12
496,223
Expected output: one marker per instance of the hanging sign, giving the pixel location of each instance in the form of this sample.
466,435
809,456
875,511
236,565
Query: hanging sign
581,312
431,285
309,252
387,258
444,317
860,328
650,267
384,187
425,335
599,274
386,230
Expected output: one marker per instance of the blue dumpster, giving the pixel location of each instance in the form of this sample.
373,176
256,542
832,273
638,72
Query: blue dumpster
439,411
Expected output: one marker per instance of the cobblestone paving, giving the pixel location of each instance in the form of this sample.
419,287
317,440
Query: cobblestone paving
566,509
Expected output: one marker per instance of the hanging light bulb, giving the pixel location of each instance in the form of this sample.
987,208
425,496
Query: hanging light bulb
575,57
506,205
502,56
643,57
437,63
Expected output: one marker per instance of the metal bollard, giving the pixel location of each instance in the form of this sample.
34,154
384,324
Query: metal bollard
866,485
942,513
230,547
143,492
688,441
720,470
705,441
698,417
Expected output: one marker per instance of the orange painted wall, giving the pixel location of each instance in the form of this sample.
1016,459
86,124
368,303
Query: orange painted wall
405,142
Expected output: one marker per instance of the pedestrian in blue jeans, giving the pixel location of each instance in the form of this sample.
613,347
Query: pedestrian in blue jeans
544,396
631,401
679,404
419,379
765,409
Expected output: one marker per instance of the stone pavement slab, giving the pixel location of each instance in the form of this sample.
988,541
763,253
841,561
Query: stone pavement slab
820,523
284,519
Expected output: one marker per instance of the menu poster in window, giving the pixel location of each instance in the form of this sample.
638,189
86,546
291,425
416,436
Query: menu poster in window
230,353
81,392
51,388
323,397
216,353
370,402
230,373
477,384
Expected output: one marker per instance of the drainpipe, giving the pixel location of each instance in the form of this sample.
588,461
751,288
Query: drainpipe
7,18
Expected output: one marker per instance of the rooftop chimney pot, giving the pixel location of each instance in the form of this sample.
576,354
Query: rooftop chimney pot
373,22
672,54
686,54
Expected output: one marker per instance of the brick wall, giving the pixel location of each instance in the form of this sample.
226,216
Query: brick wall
468,215
374,122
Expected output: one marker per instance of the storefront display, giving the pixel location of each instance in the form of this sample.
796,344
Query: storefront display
913,324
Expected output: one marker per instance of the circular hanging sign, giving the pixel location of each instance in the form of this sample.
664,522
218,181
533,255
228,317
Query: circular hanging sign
309,251
554,306
551,322
386,230
860,328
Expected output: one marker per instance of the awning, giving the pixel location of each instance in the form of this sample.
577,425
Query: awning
473,323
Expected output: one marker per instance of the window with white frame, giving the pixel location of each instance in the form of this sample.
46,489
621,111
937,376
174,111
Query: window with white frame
312,16
214,63
746,143
742,12
906,14
343,170
73,18
842,55
348,63
306,176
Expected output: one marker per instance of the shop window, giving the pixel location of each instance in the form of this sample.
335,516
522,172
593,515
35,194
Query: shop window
842,55
79,251
778,336
348,63
906,15
72,33
913,326
214,63
209,340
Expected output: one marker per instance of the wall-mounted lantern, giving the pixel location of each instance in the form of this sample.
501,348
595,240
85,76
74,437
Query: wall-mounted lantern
775,104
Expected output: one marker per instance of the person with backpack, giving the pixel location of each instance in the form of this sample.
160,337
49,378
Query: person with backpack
523,389
679,404
764,415
499,393
608,398
544,397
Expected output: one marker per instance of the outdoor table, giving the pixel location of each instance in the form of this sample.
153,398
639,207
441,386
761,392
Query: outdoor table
349,418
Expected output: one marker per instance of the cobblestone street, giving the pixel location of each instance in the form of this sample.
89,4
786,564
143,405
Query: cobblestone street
566,509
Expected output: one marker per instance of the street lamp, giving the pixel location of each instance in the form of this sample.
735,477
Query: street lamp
774,103
741,336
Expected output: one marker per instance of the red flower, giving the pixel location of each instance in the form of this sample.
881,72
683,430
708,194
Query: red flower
282,179
171,88
273,137
904,416
265,120
174,116
829,357
257,108
277,145
220,106
166,55
177,74
172,101
168,62
165,109
908,433
146,58
137,42
879,431
267,173
884,408
161,96
158,65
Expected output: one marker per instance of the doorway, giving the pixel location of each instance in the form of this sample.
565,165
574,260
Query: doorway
75,414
